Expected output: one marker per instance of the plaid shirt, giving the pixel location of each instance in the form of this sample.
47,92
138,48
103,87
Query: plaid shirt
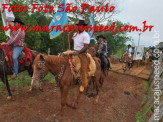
17,38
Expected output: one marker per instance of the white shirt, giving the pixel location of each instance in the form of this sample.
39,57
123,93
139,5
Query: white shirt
129,50
80,40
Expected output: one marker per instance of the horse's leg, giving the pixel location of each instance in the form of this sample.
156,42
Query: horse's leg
64,92
124,67
5,81
30,89
106,70
97,88
93,81
129,65
101,80
77,100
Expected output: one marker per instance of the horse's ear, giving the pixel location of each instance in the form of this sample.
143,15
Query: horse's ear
42,57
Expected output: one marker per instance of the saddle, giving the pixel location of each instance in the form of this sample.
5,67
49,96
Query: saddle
24,58
22,55
75,64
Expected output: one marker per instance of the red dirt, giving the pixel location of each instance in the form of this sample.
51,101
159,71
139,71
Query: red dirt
113,105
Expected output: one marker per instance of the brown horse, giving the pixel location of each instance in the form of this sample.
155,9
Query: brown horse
60,68
127,63
92,51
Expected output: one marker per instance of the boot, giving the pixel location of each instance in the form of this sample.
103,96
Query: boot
14,76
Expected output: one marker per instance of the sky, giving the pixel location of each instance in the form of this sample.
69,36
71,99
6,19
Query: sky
137,11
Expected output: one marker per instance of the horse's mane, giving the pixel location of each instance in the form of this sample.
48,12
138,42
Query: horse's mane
56,59
52,59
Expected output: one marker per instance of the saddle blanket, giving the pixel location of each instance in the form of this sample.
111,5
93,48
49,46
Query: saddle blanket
8,53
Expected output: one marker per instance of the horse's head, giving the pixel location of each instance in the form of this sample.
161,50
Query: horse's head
126,57
92,51
39,70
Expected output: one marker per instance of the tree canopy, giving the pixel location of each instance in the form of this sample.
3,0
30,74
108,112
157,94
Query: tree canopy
40,41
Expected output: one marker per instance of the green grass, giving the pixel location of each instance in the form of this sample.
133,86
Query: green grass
50,78
139,116
119,53
146,85
24,83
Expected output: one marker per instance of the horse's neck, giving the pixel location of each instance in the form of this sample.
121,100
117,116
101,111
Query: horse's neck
1,54
126,57
54,63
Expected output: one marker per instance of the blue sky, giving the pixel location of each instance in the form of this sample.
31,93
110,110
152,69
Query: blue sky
136,11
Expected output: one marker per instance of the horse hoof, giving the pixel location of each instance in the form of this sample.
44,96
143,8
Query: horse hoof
30,90
75,106
41,89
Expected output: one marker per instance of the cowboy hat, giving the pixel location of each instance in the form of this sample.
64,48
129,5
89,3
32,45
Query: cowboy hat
18,20
129,45
81,22
101,36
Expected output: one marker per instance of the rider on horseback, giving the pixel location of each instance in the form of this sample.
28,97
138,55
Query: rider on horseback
81,41
129,50
102,51
17,43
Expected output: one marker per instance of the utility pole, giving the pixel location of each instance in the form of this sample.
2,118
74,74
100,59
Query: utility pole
139,38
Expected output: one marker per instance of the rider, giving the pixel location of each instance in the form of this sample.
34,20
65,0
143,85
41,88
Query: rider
17,43
132,53
129,50
147,54
81,41
102,51
108,53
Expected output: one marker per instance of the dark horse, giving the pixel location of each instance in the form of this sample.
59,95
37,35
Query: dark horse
5,70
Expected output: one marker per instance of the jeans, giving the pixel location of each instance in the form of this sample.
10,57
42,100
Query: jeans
16,52
104,61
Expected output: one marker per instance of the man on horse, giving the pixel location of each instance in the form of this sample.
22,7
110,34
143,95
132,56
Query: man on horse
129,50
81,41
108,54
133,52
102,51
17,43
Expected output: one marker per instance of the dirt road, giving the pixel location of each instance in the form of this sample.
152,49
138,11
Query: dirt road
113,106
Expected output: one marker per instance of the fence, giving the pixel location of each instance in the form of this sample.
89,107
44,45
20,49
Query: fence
153,107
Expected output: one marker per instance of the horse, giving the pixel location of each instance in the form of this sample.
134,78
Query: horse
59,66
147,58
92,51
5,70
127,63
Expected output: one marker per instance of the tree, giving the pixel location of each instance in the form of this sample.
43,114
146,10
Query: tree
40,40
117,41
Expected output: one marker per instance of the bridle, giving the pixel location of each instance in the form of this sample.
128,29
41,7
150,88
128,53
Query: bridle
41,74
